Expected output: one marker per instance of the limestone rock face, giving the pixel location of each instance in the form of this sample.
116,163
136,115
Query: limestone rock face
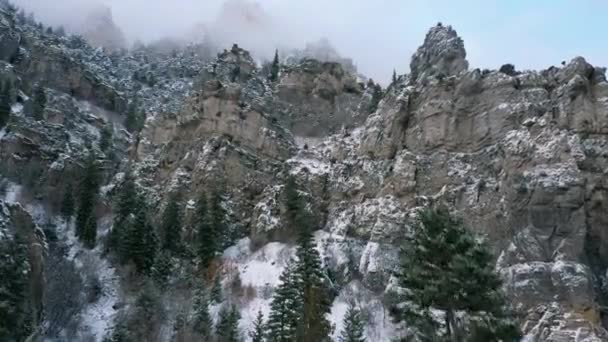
442,53
319,98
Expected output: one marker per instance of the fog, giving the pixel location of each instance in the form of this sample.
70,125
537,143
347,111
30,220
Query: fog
379,35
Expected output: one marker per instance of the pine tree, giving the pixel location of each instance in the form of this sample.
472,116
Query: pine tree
132,120
274,68
376,96
207,238
312,323
120,333
216,291
89,234
140,241
105,139
353,330
123,211
49,30
171,225
394,76
5,104
15,319
457,275
67,204
259,328
202,323
39,102
217,220
88,197
161,269
228,324
285,308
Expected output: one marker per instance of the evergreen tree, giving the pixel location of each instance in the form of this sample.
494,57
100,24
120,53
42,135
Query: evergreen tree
217,220
456,275
274,68
171,225
120,333
89,234
394,76
67,204
161,269
132,120
123,211
140,240
376,96
105,139
259,329
49,30
15,318
285,308
228,324
313,325
216,291
207,238
87,198
5,104
60,31
353,330
39,102
202,323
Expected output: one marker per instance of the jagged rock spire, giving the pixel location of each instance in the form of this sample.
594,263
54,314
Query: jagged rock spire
441,53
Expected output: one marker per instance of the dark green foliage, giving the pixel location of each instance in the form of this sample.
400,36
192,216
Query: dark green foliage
105,140
39,102
15,316
313,326
354,328
209,221
5,104
67,204
445,268
120,333
87,201
89,235
394,76
274,68
172,225
140,241
149,312
508,69
376,90
259,328
161,269
285,308
124,209
228,324
216,291
303,287
49,30
135,119
202,323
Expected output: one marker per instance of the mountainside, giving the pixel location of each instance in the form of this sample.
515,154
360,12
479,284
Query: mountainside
520,156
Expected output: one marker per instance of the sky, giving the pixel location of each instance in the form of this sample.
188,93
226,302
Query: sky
379,35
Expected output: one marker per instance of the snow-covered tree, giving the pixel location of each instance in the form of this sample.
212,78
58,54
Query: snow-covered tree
216,290
161,269
227,329
201,321
354,328
140,241
124,208
285,308
258,333
105,139
445,268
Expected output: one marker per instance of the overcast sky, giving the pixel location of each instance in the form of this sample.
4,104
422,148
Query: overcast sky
382,34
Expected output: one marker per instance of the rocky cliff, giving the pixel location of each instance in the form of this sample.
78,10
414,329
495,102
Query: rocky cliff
521,157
